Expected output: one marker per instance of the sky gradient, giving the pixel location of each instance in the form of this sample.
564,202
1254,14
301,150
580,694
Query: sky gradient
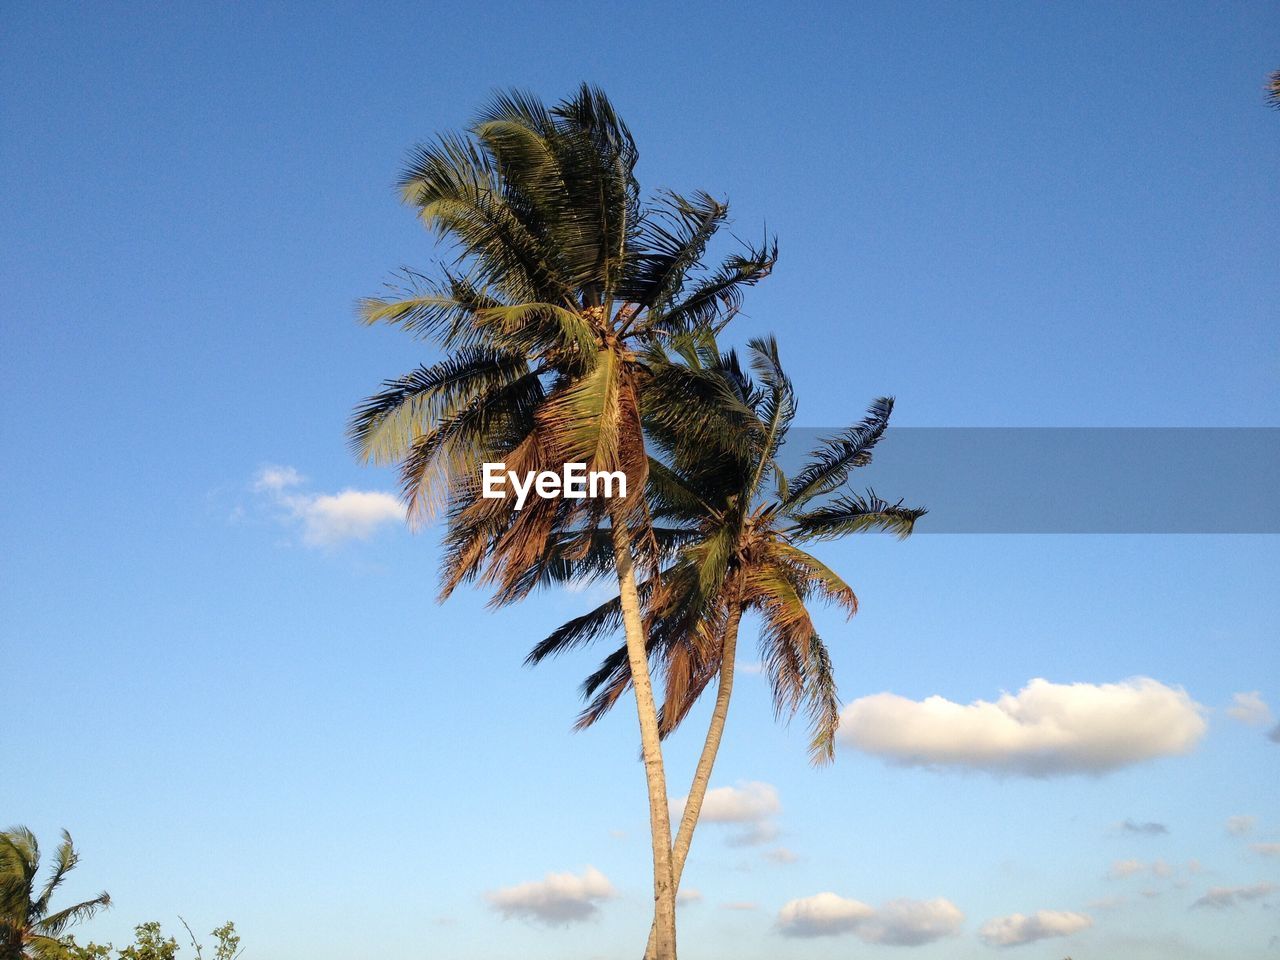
227,674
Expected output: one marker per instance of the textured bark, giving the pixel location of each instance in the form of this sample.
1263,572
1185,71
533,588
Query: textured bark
663,935
707,760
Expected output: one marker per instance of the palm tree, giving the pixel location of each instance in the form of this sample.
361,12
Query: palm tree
733,526
27,928
1273,90
563,283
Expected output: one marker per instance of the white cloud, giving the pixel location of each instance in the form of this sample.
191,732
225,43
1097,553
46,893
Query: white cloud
1046,729
1221,897
1241,824
1018,928
898,922
556,900
750,804
328,519
740,905
689,895
1249,708
1266,849
350,515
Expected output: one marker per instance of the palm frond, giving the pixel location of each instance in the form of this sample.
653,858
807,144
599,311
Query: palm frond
716,299
777,406
458,190
386,425
56,923
829,465
822,702
852,513
65,859
443,310
670,242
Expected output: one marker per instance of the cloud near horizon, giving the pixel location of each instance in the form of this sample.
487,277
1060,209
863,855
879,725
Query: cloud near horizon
1045,730
557,900
1017,929
328,519
899,922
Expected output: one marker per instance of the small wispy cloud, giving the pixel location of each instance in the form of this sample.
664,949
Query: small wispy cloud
1220,898
1121,869
1179,874
1249,708
1266,849
1148,829
781,855
327,519
1241,824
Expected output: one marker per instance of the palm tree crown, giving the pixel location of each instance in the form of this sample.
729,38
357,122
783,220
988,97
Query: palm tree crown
27,927
562,283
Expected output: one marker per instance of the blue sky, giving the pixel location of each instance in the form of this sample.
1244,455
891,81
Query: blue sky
1005,215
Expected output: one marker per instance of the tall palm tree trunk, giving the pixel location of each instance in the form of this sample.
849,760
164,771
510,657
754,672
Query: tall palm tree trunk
707,760
663,934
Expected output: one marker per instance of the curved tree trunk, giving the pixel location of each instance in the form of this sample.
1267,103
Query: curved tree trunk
663,935
707,760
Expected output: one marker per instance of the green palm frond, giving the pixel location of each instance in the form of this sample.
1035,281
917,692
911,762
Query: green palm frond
777,407
585,415
65,859
715,300
444,463
852,513
386,425
443,310
829,465
56,923
604,620
670,243
825,581
458,190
